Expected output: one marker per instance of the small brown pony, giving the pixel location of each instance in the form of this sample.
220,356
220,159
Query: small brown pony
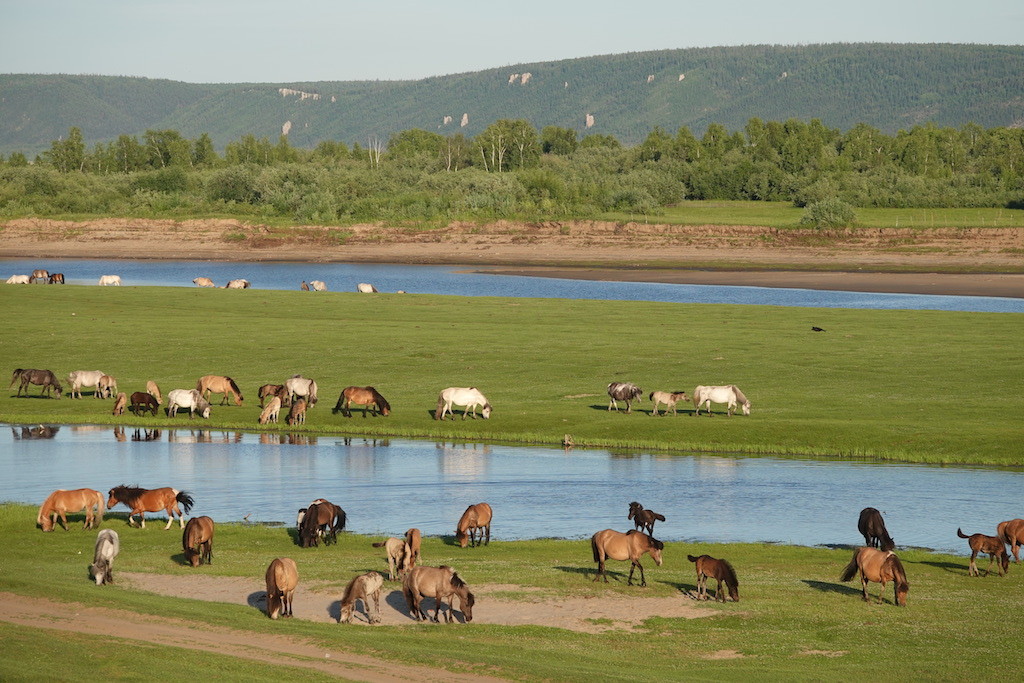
872,528
880,566
297,413
119,404
270,390
367,397
142,401
643,519
440,583
474,523
669,398
993,545
61,502
720,570
197,541
364,587
399,556
282,578
141,501
218,384
1012,532
322,519
412,537
632,545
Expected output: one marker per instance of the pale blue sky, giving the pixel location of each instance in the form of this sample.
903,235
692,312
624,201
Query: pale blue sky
217,41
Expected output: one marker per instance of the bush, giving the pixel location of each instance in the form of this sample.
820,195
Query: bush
829,213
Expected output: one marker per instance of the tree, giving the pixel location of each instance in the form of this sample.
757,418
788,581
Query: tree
249,150
560,141
167,148
68,154
657,144
128,154
203,153
409,144
508,144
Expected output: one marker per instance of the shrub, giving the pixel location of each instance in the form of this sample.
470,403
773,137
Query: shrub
828,213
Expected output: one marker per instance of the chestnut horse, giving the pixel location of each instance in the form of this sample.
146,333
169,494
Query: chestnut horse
993,546
721,571
412,537
282,578
632,545
1012,532
367,397
218,384
880,566
643,519
197,541
141,501
364,587
61,502
872,528
440,583
474,523
399,556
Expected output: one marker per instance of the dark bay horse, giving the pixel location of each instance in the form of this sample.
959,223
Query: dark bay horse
474,523
643,519
624,391
993,546
440,583
282,578
56,278
364,587
142,401
321,519
218,384
367,397
197,541
61,502
1012,533
720,570
141,501
880,566
872,528
632,545
44,378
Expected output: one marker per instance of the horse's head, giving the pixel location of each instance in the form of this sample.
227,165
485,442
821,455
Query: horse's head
902,588
462,537
655,549
46,523
486,412
466,603
99,569
204,409
112,496
746,407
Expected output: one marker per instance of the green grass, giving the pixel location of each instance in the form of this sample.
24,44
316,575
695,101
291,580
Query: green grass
904,385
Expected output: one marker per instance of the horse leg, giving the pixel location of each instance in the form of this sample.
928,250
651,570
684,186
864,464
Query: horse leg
63,519
864,587
375,619
600,571
488,530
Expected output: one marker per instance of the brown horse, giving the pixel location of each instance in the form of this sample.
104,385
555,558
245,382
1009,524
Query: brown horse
364,587
474,523
142,401
632,545
399,556
141,501
1012,532
56,278
321,519
880,566
297,413
43,378
61,502
218,384
270,390
721,571
993,546
197,541
119,404
154,391
440,583
282,578
872,528
367,397
412,537
643,519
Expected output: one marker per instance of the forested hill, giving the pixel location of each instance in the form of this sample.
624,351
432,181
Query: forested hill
887,86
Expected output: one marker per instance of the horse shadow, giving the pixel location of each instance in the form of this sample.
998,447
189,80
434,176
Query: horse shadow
258,600
395,599
951,567
829,587
179,558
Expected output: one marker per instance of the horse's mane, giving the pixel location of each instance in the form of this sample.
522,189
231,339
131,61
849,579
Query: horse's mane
457,581
730,575
658,545
349,596
739,395
898,572
234,386
46,503
128,494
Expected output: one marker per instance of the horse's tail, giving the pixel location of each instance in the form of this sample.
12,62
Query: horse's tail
691,558
186,500
650,396
850,570
101,506
593,546
380,545
15,377
961,534
341,518
200,385
440,406
660,518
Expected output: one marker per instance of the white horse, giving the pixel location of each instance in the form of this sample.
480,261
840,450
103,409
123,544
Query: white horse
203,282
237,284
462,396
318,285
187,398
299,386
366,288
110,280
108,545
18,280
271,411
730,395
85,378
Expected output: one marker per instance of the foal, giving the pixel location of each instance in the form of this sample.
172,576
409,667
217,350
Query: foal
721,571
993,545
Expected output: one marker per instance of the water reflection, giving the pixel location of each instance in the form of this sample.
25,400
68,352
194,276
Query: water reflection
37,432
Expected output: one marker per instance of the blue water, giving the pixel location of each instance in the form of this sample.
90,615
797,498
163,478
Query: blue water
453,281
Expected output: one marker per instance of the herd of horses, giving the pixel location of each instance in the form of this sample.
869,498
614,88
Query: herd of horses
730,395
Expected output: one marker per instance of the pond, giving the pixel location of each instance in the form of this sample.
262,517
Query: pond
387,486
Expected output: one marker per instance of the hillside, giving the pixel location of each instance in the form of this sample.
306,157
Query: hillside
887,86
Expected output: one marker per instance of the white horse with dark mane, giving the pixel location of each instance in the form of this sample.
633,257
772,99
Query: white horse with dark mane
301,387
624,391
730,395
187,398
470,397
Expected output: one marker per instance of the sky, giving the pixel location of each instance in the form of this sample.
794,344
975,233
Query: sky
259,41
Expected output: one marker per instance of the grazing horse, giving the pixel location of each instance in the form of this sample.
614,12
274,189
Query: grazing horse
321,519
106,386
721,571
1012,532
203,282
240,283
470,397
366,288
44,378
297,413
399,556
270,390
282,578
218,384
615,545
39,276
141,402
119,404
197,541
440,583
114,280
301,387
18,280
412,537
270,412
363,587
154,391
304,287
56,278
730,395
85,378
141,501
367,397
61,502
624,391
668,398
880,566
187,398
473,525
643,519
318,285
993,546
872,528
108,545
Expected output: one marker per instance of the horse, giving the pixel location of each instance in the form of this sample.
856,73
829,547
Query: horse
119,404
282,578
668,398
301,387
643,519
39,276
632,545
240,283
412,537
270,412
439,583
363,587
399,556
367,397
141,402
85,378
322,518
44,378
106,386
203,282
721,571
154,391
474,523
56,278
318,285
730,395
366,288
197,541
470,397
993,546
872,528
297,413
880,566
1012,532
187,398
18,280
61,502
624,391
270,390
304,287
108,545
141,501
114,280
218,384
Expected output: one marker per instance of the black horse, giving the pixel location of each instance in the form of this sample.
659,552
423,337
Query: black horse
322,519
643,519
872,528
46,379
624,391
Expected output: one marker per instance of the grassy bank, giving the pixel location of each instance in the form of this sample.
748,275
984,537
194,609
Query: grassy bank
907,385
